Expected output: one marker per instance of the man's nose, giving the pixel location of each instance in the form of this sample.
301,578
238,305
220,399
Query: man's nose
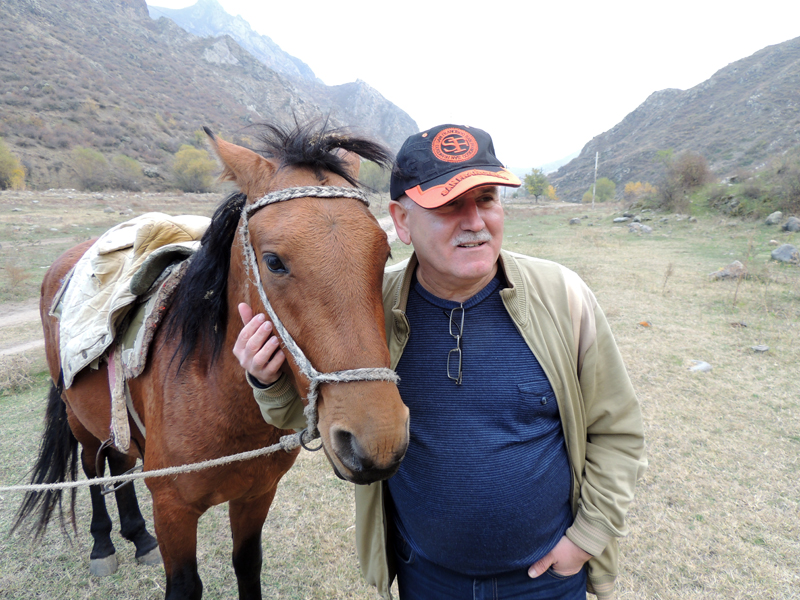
471,218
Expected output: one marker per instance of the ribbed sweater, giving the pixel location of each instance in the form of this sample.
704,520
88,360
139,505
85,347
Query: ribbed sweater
485,485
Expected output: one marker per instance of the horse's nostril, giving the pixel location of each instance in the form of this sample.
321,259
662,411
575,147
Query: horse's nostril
349,451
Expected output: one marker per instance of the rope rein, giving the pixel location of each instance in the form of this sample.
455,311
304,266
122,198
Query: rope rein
287,443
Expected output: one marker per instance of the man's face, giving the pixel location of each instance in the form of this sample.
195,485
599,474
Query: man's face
457,244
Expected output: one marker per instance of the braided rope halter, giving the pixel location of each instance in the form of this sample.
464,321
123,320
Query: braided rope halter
314,377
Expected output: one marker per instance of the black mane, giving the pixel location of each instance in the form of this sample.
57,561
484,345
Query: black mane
314,145
199,312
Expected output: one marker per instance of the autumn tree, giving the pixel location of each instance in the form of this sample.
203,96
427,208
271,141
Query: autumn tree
536,183
636,191
12,173
193,169
374,176
604,191
90,168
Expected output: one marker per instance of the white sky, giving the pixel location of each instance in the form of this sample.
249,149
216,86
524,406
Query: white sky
543,78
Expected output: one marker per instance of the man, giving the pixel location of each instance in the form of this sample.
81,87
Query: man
526,436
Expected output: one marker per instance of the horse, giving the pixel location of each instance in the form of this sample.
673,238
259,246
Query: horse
319,261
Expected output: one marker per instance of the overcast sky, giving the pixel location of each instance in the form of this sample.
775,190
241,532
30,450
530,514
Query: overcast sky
543,78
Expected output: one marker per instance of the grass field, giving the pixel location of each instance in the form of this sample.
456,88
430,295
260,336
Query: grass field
717,514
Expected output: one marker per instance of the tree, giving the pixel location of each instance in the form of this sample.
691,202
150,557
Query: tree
126,173
12,173
604,190
374,176
636,191
193,169
536,183
685,173
91,168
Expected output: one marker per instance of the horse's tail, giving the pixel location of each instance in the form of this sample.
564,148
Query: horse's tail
57,463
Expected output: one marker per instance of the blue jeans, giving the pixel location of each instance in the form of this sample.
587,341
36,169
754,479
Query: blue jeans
420,579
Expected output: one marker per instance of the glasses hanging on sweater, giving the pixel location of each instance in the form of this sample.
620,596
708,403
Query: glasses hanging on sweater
454,356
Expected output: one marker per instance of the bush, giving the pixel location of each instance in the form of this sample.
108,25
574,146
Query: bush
126,173
12,173
374,176
193,169
637,192
685,173
90,167
604,190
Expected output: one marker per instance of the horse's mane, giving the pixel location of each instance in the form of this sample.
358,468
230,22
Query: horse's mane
198,316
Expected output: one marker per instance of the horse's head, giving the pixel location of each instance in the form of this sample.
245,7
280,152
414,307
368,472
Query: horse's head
320,262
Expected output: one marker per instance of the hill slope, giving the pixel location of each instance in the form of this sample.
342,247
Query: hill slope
207,18
105,75
743,114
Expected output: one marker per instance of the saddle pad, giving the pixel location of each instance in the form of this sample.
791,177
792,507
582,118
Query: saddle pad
96,296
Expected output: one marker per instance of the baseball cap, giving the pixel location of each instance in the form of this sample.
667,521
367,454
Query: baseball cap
435,166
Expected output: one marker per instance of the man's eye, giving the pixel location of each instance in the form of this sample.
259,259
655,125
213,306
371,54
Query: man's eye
275,264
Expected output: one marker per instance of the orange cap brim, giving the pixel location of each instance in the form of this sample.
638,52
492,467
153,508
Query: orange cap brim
439,195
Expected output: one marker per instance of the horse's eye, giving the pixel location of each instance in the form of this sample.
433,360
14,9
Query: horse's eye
274,263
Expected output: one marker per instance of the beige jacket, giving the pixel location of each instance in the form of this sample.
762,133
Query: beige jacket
558,316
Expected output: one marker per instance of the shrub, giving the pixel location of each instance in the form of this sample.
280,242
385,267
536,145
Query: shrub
90,167
193,169
373,176
604,190
685,173
637,192
12,173
126,173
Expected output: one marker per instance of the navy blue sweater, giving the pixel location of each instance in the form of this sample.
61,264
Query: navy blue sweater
484,487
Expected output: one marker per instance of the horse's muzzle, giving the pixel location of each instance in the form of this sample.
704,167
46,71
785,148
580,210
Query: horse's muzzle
361,466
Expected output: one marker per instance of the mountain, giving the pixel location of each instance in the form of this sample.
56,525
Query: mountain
207,18
355,102
104,75
745,113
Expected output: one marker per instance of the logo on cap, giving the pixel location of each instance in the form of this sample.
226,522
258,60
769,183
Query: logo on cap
454,145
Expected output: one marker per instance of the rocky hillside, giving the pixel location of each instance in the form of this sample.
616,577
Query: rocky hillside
207,18
737,119
104,75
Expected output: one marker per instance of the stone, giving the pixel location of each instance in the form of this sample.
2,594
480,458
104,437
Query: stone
774,218
575,221
793,225
639,228
108,209
620,220
735,270
786,253
700,366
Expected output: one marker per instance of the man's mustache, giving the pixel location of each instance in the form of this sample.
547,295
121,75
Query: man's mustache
472,237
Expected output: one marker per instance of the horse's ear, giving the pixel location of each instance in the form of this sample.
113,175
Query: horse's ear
250,171
352,162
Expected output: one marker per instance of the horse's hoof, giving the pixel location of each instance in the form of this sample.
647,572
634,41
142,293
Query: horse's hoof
151,558
103,567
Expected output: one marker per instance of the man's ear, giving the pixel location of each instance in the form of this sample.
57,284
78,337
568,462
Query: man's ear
400,216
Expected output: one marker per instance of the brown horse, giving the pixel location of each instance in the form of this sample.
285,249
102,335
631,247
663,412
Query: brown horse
320,261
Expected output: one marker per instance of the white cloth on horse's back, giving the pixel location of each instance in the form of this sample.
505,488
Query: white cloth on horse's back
96,296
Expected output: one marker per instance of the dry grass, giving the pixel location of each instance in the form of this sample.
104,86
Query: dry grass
716,516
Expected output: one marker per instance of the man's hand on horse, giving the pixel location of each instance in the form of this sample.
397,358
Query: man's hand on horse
257,348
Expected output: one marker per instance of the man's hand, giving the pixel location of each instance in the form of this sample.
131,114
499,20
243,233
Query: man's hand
257,348
565,559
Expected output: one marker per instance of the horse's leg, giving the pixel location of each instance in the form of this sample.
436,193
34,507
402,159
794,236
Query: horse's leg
103,559
247,520
132,524
176,529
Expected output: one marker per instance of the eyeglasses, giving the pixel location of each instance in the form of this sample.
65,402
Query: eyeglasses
457,323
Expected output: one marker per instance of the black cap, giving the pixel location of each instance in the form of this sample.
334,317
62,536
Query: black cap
435,166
